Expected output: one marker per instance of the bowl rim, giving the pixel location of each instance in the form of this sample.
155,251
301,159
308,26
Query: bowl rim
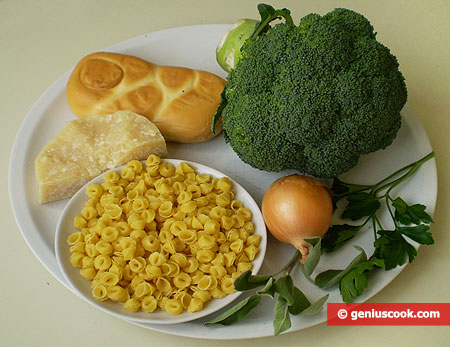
68,271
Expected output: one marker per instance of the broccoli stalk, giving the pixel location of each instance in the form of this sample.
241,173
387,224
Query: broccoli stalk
228,51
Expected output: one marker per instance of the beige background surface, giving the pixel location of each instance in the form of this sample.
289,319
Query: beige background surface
40,40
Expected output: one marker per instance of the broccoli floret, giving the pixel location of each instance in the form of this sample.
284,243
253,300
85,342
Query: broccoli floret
313,97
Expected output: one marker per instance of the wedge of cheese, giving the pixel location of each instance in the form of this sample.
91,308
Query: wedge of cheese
85,148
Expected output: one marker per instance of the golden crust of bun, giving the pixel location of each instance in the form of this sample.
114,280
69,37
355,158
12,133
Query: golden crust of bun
181,102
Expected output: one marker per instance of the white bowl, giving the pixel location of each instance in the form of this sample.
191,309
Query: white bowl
82,287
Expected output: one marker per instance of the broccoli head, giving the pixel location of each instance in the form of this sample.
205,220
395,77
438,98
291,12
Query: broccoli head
313,97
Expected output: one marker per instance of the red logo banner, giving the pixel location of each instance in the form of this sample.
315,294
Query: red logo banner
388,314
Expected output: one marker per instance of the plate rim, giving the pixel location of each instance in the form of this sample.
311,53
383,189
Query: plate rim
33,115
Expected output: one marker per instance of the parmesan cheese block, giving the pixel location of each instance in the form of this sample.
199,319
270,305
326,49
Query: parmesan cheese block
85,148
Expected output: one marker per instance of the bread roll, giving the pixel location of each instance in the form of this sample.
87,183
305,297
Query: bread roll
181,102
85,148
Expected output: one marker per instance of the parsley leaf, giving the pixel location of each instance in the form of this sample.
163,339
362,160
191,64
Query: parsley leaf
353,284
361,205
418,233
338,187
337,235
341,189
393,248
414,214
329,278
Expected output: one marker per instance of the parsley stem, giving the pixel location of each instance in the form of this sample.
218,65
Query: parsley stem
374,227
378,221
375,188
388,205
389,184
411,167
356,188
396,173
410,172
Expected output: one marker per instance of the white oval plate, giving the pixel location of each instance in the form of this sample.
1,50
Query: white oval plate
194,47
82,287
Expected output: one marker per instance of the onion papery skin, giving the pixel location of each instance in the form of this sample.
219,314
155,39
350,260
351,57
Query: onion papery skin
296,207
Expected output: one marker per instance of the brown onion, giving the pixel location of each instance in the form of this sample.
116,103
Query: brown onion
296,207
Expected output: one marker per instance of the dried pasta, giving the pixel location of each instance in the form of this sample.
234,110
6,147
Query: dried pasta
156,236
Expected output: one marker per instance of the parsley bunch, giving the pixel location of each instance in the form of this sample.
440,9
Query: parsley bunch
392,246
